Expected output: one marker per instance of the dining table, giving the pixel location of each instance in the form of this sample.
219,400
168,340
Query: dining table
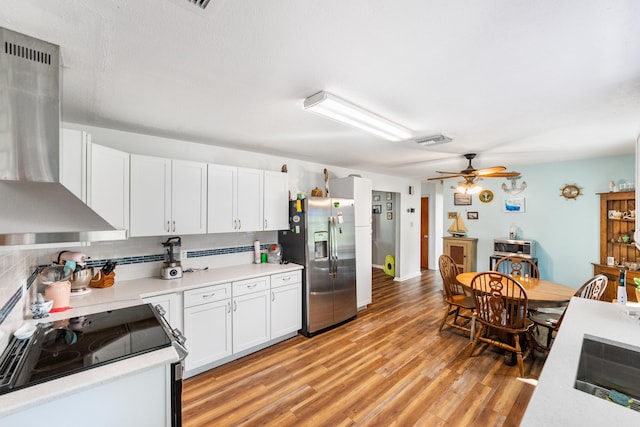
540,293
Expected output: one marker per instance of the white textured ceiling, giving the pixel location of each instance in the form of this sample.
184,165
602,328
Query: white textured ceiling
516,81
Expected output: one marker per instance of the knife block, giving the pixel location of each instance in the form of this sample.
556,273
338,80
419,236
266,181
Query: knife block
101,280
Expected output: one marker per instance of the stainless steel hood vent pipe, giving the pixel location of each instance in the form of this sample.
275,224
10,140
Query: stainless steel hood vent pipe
34,207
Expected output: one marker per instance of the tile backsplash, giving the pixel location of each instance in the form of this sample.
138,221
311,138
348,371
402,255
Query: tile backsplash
136,257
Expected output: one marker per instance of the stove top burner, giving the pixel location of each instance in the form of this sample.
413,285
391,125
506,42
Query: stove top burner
72,345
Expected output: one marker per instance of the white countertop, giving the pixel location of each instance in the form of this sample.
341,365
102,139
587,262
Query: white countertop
130,292
555,402
125,294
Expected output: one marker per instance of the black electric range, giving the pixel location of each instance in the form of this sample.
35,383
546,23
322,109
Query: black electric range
72,345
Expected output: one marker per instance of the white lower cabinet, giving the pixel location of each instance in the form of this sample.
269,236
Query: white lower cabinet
207,325
251,313
286,303
138,399
228,321
172,305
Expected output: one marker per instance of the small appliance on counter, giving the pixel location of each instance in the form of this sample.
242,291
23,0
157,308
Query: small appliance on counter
274,255
81,276
171,267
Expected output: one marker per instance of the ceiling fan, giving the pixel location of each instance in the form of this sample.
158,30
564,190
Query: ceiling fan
471,174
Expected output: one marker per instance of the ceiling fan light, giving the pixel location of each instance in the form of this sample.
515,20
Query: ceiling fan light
468,188
345,112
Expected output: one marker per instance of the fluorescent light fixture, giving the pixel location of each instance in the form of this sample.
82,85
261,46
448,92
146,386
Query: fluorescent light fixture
345,112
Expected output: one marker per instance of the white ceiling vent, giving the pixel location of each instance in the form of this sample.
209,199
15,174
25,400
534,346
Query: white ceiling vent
433,140
202,4
27,53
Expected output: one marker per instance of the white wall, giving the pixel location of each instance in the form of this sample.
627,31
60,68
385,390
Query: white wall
567,231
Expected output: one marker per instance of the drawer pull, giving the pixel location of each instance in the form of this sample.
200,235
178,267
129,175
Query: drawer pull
253,285
206,296
286,279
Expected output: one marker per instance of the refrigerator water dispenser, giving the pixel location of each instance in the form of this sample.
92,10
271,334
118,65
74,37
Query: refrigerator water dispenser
321,240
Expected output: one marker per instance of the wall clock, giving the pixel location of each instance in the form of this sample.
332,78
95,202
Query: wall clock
570,191
485,196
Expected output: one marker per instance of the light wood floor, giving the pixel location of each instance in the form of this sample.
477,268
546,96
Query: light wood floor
389,367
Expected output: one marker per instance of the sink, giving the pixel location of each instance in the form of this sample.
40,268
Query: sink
607,368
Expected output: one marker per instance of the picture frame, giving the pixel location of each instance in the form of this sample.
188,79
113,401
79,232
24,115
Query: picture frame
389,206
514,205
460,199
389,215
472,215
377,209
376,197
389,196
452,215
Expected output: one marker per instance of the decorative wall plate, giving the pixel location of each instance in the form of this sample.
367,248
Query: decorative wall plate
486,196
570,191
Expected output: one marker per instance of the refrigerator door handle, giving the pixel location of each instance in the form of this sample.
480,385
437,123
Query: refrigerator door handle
334,247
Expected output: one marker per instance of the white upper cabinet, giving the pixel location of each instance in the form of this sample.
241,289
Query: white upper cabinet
276,201
97,175
235,199
160,208
73,165
250,199
188,197
108,184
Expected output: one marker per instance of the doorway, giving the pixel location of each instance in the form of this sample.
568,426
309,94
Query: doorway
384,224
424,232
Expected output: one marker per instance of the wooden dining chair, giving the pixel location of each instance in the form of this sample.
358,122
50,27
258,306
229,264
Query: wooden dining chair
501,310
593,288
459,303
517,266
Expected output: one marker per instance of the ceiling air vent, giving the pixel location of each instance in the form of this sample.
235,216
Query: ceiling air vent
27,53
433,140
202,4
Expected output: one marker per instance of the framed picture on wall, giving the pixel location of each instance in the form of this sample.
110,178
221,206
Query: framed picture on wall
377,209
389,206
389,215
452,215
460,199
514,205
376,197
472,215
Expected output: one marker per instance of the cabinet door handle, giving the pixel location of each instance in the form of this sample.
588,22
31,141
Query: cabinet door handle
235,306
168,227
229,307
273,296
239,224
235,224
174,226
265,223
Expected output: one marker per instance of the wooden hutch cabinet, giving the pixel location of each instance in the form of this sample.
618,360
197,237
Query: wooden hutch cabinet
616,223
463,250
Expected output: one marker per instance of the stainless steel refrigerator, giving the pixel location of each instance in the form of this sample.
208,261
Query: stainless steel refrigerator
322,239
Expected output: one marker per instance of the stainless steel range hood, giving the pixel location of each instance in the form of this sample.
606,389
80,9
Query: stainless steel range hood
34,207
